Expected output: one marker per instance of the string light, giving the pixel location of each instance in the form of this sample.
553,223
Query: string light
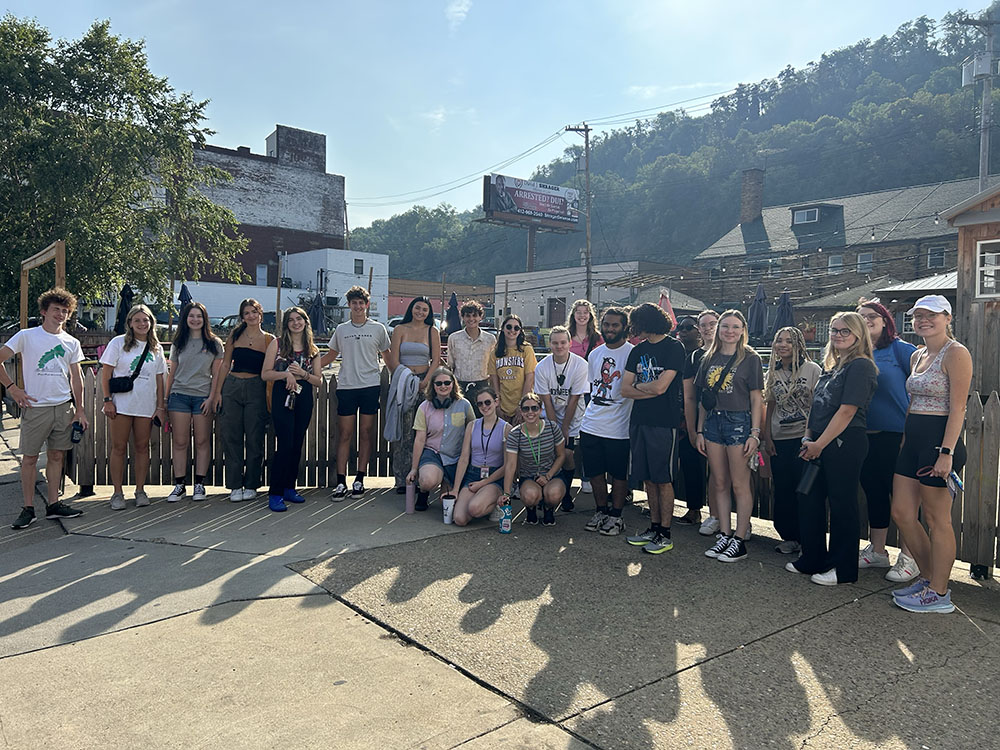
937,218
873,234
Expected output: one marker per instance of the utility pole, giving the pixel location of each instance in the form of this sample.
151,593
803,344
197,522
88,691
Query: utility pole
585,129
986,25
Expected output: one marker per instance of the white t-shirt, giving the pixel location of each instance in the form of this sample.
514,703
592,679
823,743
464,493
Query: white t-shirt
141,400
575,383
608,412
46,359
359,347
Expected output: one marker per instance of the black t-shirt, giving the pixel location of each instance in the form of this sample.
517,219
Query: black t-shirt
853,384
692,363
648,361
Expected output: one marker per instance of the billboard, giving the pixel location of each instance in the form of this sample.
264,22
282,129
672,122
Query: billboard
512,199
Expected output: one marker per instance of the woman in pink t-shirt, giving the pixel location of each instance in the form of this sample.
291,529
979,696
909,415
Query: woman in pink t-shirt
582,325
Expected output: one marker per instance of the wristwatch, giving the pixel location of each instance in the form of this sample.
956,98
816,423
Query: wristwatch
944,451
107,398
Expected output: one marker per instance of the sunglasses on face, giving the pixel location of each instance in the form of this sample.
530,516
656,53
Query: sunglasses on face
685,328
842,332
510,327
531,408
484,402
442,383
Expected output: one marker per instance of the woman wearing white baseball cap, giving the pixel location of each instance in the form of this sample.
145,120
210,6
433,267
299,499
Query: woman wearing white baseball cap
940,376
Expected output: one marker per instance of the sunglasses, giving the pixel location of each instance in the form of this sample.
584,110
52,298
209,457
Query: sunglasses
531,407
842,332
442,383
484,402
510,327
686,328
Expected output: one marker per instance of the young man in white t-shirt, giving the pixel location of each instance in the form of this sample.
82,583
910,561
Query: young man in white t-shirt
53,382
562,379
359,385
604,440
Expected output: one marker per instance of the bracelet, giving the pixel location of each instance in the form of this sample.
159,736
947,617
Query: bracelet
755,438
755,430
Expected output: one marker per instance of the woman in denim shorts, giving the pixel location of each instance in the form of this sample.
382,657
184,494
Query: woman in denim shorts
195,359
480,467
729,419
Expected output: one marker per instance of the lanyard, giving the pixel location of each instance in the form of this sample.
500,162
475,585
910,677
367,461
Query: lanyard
537,455
489,437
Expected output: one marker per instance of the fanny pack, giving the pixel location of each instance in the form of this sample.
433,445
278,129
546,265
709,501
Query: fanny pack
124,384
710,396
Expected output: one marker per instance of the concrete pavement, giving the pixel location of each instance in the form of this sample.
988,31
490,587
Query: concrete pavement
353,625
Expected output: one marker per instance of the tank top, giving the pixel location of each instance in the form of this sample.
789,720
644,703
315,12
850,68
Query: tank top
249,360
487,446
929,390
414,354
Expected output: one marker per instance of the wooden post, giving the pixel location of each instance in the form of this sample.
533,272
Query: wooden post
442,296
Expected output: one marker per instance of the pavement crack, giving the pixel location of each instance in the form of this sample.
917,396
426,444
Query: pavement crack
166,543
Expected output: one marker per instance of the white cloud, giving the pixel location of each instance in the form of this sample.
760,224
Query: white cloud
440,115
455,12
656,91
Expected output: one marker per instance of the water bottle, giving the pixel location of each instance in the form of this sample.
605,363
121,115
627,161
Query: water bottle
506,515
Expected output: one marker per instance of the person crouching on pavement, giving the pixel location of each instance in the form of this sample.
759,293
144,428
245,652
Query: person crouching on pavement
481,466
535,454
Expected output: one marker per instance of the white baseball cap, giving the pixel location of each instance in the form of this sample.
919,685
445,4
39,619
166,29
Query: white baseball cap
933,302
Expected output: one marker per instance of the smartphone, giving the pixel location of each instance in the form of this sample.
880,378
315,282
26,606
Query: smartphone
157,422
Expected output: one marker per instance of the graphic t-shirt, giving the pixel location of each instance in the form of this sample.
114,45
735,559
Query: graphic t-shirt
359,347
608,412
575,382
46,359
141,400
853,384
792,399
734,393
648,361
511,370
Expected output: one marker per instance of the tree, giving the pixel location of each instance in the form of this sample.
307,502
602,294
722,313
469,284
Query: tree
96,150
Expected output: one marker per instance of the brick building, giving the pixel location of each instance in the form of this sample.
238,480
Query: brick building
284,200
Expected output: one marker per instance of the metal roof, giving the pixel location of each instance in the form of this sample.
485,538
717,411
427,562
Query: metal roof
941,281
847,298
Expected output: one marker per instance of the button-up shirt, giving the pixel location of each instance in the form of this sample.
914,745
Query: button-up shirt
468,358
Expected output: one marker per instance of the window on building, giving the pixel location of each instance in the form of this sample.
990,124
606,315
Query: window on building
935,257
359,266
987,269
865,262
835,264
805,216
822,331
907,323
262,274
714,274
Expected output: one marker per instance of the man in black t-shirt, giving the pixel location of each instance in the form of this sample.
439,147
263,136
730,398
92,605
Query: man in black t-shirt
652,377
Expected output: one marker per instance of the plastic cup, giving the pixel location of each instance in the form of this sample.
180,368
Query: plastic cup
411,497
448,507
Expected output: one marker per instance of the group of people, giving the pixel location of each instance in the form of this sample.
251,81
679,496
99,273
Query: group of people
487,422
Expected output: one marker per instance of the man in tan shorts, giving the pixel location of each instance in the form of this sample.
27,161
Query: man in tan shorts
53,383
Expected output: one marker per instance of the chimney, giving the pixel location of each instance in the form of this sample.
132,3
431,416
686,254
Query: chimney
752,195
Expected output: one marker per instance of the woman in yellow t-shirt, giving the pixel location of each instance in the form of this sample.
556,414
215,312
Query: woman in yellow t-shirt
512,369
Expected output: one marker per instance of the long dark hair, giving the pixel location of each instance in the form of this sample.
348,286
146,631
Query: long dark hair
208,340
285,347
502,339
889,333
242,326
408,317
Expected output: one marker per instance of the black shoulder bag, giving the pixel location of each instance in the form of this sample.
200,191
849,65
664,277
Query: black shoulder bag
710,396
124,384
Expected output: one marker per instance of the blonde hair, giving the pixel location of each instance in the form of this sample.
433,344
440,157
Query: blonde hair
862,347
456,389
560,329
799,356
130,342
742,347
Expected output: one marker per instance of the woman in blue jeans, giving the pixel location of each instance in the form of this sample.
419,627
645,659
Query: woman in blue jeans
731,383
292,364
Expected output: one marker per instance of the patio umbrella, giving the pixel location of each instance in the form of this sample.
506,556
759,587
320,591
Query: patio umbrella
317,314
125,297
185,296
784,315
757,314
453,319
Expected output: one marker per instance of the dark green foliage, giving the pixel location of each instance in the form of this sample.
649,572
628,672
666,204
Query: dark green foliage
874,115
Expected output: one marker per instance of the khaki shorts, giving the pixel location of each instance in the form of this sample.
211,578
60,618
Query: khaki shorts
51,423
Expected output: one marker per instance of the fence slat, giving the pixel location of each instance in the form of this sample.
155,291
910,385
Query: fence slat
333,427
322,446
84,452
965,512
987,536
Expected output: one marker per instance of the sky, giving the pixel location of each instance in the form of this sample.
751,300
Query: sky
419,96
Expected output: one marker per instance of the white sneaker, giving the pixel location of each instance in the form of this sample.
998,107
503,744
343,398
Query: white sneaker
829,578
118,501
249,494
869,558
199,493
586,487
596,521
496,515
709,526
905,569
176,494
236,496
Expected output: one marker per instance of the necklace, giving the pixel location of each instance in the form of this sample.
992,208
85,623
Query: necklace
561,377
359,326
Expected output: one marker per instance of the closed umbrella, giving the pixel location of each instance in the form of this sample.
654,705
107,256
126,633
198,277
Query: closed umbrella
757,314
453,319
317,314
784,315
185,296
125,297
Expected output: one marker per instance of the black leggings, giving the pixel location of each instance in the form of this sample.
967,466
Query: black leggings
693,471
876,476
290,427
837,483
786,467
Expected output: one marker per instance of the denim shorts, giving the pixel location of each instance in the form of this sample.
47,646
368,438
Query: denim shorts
727,427
182,402
472,475
430,456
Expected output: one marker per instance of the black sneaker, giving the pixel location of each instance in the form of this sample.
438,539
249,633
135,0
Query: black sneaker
548,517
61,510
25,519
567,506
358,489
421,503
736,550
531,516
